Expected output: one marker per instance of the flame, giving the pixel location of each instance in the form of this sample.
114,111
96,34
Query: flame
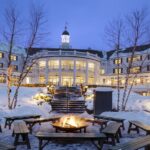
70,121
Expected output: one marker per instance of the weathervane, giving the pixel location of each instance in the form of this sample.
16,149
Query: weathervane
66,24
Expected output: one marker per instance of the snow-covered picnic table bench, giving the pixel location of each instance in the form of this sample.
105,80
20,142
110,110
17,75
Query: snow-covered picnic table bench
33,121
47,137
138,125
133,144
21,130
10,119
120,120
113,132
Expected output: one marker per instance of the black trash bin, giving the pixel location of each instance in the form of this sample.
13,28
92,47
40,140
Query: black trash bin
102,100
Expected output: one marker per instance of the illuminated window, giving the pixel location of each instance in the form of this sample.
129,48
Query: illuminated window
91,80
2,79
102,71
118,70
135,58
13,58
27,80
41,79
67,80
67,64
42,64
1,55
1,65
54,79
91,66
53,64
80,80
135,70
117,61
80,65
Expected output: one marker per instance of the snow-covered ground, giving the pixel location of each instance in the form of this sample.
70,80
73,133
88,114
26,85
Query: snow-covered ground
139,105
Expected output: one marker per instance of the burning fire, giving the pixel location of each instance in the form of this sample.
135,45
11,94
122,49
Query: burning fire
70,121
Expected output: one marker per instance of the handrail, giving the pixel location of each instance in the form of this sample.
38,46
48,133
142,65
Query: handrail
67,53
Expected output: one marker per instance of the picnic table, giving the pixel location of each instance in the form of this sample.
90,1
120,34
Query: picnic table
138,125
101,122
133,144
47,137
31,122
10,119
120,120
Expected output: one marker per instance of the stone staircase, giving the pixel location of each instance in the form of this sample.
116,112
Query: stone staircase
70,106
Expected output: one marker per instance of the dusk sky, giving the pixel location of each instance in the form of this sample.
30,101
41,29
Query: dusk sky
86,19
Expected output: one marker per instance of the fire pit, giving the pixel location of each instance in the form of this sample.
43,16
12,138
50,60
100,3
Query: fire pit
70,123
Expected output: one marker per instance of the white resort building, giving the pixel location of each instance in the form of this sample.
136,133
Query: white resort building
65,65
68,66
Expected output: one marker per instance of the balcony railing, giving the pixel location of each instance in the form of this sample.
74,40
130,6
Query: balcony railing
67,53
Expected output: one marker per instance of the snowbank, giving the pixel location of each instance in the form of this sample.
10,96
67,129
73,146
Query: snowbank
135,102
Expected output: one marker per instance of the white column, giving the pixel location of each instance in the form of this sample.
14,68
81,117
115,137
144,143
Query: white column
95,73
36,73
74,73
86,75
60,72
46,71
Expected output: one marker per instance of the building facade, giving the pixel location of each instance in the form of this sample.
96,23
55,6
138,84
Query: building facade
140,66
68,66
17,57
65,65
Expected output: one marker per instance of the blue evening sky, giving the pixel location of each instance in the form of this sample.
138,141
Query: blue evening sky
86,19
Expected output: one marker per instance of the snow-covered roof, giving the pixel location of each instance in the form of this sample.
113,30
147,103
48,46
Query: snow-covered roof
127,51
16,49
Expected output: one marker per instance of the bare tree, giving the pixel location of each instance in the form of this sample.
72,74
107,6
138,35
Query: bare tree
137,29
11,33
114,34
36,34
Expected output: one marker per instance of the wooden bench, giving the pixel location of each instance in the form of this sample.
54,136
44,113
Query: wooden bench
113,131
10,119
21,129
138,125
42,136
32,122
133,144
120,120
101,122
6,146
